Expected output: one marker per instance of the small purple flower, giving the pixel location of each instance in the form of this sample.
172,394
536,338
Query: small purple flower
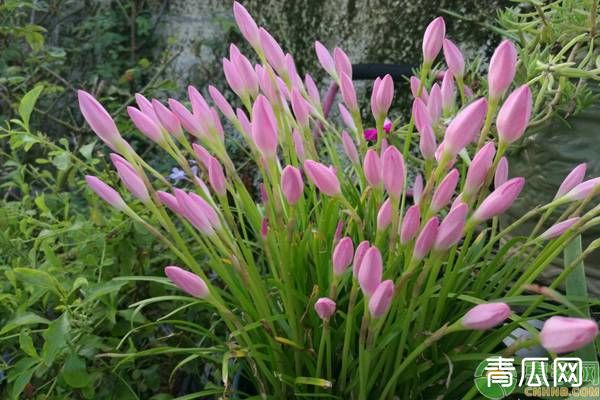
177,175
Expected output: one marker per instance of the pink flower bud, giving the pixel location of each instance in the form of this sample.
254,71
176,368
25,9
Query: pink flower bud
394,171
452,227
384,216
410,224
417,189
312,90
347,118
146,107
233,78
342,255
189,282
246,24
387,125
292,184
513,117
465,127
245,71
99,119
264,127
499,200
426,239
295,79
202,154
342,62
381,300
359,254
216,177
325,59
501,174
323,178
372,168
503,66
485,316
382,96
264,228
273,52
558,229
434,105
448,92
167,118
107,193
145,124
454,58
566,334
300,108
221,103
370,271
350,148
479,168
348,92
433,39
189,121
170,201
574,178
244,122
414,89
194,211
130,178
583,190
200,107
445,191
338,231
325,308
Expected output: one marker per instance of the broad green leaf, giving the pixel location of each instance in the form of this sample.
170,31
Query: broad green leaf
28,102
28,318
75,373
103,289
38,279
62,161
56,339
26,344
86,150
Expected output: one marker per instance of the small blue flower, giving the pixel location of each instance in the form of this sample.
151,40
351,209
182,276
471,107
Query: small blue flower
177,175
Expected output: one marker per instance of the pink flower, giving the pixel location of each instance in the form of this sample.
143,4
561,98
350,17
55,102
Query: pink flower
513,117
350,148
394,171
107,193
501,174
342,255
565,334
384,216
359,254
454,58
99,119
189,121
300,108
381,300
323,178
264,127
370,272
246,24
426,239
452,227
574,178
410,224
433,39
503,66
382,96
292,184
325,59
298,145
479,168
312,90
342,62
273,52
145,124
414,89
216,177
349,121
499,200
445,190
417,189
448,92
372,168
170,201
187,281
434,105
583,190
168,119
465,127
348,93
325,308
221,103
558,229
486,316
130,178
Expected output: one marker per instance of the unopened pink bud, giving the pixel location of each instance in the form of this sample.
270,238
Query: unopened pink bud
348,92
583,190
382,96
381,300
167,118
325,308
202,154
503,66
246,24
485,316
454,58
465,127
99,119
189,121
130,178
298,145
445,191
245,71
370,271
146,107
325,59
574,178
216,177
107,193
513,117
350,148
417,189
323,178
292,184
170,201
410,224
342,255
264,228
452,227
342,62
426,239
221,103
338,231
434,104
384,216
448,92
359,254
479,168
433,39
264,127
300,108
194,211
566,334
273,52
233,78
501,174
347,118
145,124
559,228
499,200
244,122
372,168
414,89
312,90
394,172
187,281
